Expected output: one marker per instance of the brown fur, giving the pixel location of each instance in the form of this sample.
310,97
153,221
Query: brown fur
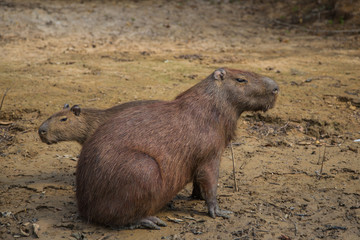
139,160
75,124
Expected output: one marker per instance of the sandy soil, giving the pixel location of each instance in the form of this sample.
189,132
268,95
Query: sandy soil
297,166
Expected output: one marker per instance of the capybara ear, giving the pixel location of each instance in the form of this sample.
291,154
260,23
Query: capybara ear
66,105
219,74
76,110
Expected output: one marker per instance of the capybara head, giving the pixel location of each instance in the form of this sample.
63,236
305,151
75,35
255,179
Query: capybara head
66,125
242,90
247,90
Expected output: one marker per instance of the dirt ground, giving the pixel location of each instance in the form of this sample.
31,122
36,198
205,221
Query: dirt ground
297,166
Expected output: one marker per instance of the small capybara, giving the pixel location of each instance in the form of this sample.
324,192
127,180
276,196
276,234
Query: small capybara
140,159
77,124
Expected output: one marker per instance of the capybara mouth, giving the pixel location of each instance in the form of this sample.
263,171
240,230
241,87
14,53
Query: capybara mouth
51,142
47,141
270,105
267,108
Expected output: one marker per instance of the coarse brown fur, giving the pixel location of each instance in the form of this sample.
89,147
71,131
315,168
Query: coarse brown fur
77,124
139,160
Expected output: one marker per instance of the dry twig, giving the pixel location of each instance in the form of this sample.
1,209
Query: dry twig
233,160
2,100
323,160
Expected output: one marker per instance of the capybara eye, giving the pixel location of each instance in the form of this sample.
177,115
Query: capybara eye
63,119
241,80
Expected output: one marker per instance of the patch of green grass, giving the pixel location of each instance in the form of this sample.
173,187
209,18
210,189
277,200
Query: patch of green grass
341,20
295,8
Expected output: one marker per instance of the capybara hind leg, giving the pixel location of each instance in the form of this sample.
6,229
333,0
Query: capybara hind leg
152,223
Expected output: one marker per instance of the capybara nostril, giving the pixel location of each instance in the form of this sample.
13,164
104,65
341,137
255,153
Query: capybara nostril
275,90
42,131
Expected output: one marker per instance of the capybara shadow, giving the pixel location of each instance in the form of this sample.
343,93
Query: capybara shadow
77,124
137,161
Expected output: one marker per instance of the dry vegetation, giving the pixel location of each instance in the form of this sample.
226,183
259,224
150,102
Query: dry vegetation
297,165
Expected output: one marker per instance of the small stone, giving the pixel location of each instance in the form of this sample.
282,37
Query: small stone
36,228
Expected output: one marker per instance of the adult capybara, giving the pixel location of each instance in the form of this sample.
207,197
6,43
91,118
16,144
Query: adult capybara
139,160
77,124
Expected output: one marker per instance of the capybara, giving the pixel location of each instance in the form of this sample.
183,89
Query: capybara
140,159
77,124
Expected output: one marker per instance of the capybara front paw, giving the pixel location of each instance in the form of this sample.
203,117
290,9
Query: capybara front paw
217,212
223,213
152,223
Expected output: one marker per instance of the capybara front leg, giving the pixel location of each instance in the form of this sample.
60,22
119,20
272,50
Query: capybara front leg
207,178
152,223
